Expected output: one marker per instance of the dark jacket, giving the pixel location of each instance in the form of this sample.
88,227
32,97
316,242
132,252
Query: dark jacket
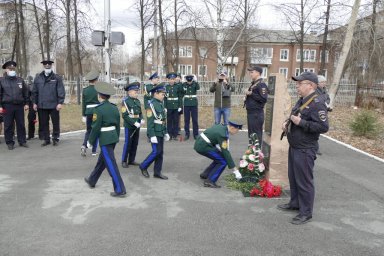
314,121
259,96
220,101
13,90
48,91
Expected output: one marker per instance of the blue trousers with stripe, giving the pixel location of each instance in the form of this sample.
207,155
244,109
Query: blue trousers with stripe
214,170
107,160
156,156
130,145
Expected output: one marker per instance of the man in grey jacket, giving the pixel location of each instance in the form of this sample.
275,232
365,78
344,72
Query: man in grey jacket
48,98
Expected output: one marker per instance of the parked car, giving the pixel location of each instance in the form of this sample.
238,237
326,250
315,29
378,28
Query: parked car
125,80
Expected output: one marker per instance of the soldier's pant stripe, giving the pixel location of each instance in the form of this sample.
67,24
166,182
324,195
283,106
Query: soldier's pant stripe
151,157
220,166
126,145
111,168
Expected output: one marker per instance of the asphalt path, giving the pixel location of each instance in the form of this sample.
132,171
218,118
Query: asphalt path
47,209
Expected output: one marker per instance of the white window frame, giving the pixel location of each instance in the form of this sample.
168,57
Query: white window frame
185,51
326,56
309,55
265,72
262,52
205,69
284,54
297,70
185,69
283,71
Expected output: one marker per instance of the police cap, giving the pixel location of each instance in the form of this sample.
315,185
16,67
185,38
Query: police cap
105,88
256,68
132,86
9,64
310,76
158,88
47,62
92,75
189,78
171,75
236,124
153,76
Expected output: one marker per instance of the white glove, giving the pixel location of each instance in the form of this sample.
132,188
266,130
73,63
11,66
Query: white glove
142,121
166,137
179,110
84,119
237,174
137,124
154,140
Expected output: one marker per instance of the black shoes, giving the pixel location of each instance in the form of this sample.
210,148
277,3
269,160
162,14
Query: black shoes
134,163
55,142
145,173
160,176
301,219
10,146
211,184
114,194
45,143
124,165
287,207
89,184
24,145
29,138
203,177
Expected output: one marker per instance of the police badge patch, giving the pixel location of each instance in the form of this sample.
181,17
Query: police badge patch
123,110
224,145
322,115
149,113
94,117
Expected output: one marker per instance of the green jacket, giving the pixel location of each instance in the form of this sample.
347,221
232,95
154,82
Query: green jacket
89,97
190,94
156,119
147,94
174,97
105,124
133,113
218,136
220,101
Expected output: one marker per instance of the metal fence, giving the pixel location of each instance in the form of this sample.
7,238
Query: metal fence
345,96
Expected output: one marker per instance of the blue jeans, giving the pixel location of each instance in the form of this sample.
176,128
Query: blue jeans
226,112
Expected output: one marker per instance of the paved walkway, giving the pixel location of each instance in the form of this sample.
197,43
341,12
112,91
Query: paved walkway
47,209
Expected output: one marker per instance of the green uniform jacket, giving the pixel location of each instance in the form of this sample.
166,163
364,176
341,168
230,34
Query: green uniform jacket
105,116
220,101
156,118
147,94
190,91
89,97
218,135
133,113
174,98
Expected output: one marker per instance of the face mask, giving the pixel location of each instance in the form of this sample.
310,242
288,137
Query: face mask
11,73
47,71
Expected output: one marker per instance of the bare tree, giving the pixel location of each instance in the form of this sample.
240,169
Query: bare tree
325,38
47,30
37,20
77,41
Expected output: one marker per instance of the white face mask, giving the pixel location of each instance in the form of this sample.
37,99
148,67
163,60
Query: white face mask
47,71
11,73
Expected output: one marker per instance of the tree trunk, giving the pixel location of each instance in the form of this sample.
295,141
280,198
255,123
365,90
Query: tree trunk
24,60
38,30
77,42
47,34
68,36
344,53
301,41
176,67
324,45
164,49
142,39
17,40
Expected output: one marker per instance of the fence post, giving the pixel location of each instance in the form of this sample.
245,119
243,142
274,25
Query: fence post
78,90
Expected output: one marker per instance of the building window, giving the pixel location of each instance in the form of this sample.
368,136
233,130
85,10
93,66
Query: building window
265,72
297,70
185,69
326,56
284,71
309,55
185,51
261,56
202,70
203,52
284,55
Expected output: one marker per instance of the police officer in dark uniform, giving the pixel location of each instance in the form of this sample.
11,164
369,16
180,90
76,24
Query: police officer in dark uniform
106,128
213,143
48,95
14,99
90,100
303,132
255,98
173,104
157,132
155,79
133,119
190,88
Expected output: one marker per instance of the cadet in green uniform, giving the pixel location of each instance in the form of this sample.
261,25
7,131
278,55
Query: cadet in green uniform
155,79
173,104
133,119
213,143
157,132
106,128
89,102
190,89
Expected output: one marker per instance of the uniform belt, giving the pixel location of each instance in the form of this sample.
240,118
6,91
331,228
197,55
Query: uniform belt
134,116
158,121
190,96
172,98
92,105
107,129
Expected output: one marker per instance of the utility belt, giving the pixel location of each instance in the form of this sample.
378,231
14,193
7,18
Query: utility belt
172,98
107,129
190,96
92,105
158,121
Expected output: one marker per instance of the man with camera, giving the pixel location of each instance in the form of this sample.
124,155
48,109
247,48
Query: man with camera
222,104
